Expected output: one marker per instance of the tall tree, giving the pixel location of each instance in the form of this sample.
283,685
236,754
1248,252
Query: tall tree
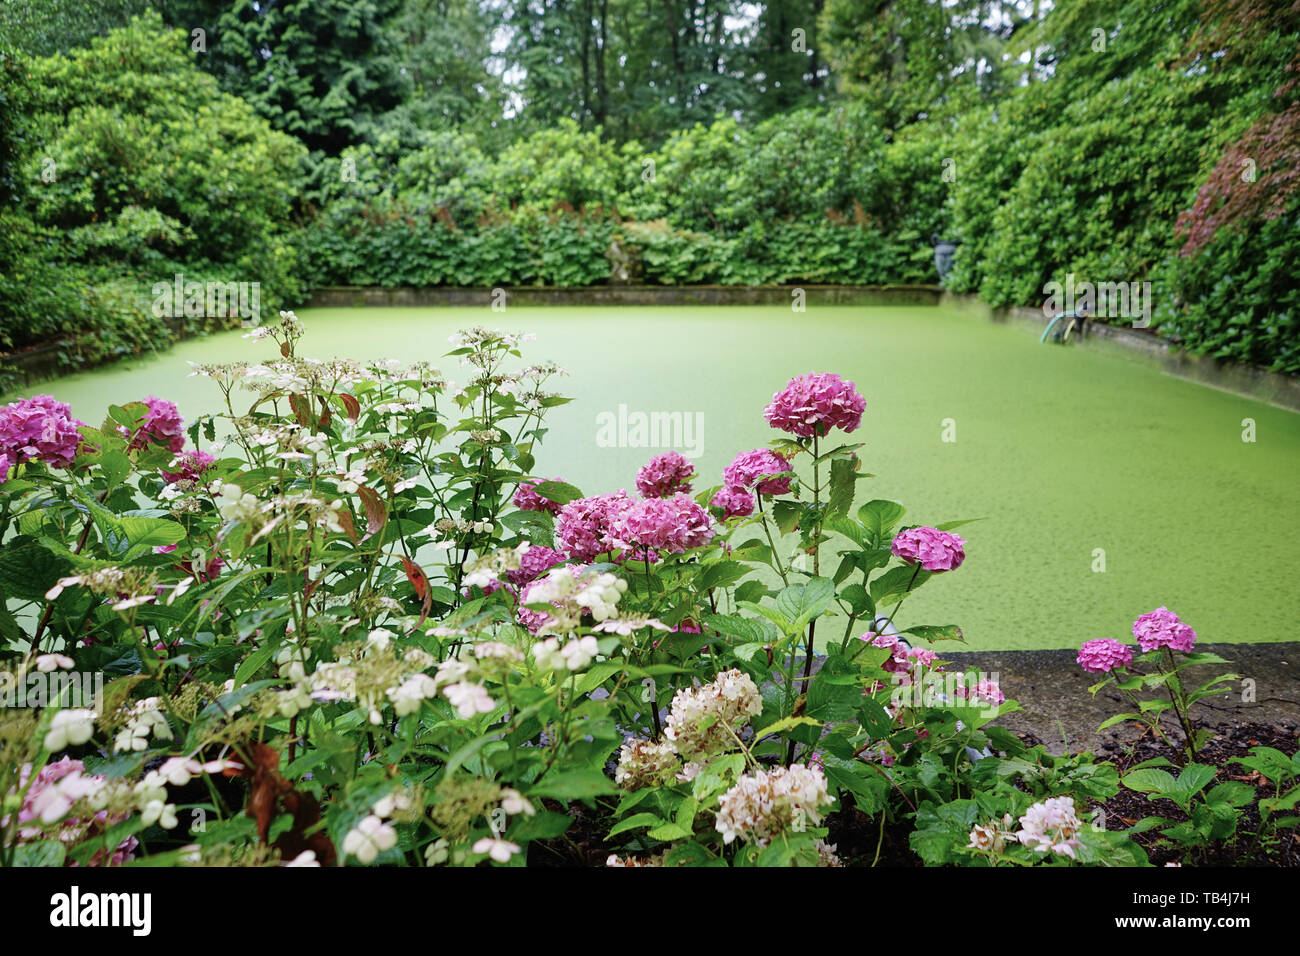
320,69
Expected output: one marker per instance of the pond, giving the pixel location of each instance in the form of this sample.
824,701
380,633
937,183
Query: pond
1106,487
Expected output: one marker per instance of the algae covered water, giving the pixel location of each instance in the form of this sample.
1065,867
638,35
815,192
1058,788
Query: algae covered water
1106,487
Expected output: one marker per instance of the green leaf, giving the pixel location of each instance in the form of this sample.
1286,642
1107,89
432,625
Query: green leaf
1149,780
844,481
542,825
1194,777
40,853
784,724
635,821
950,525
801,603
669,832
251,664
1117,719
896,583
849,528
116,466
858,599
936,632
786,515
28,570
747,629
783,624
1287,801
129,536
557,491
1234,793
829,701
720,575
869,788
578,784
880,516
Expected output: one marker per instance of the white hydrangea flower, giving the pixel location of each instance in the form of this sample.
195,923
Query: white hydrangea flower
391,803
437,852
579,652
730,700
179,770
765,803
292,702
145,720
514,803
498,849
163,814
69,728
469,699
411,693
643,763
368,839
1051,825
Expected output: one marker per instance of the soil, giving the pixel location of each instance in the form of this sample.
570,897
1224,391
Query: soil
1127,807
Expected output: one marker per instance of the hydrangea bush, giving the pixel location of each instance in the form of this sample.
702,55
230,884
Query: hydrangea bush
345,622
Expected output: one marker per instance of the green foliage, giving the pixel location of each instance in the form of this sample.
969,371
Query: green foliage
322,70
116,189
327,616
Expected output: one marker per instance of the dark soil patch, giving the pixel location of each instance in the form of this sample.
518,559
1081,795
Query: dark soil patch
1127,807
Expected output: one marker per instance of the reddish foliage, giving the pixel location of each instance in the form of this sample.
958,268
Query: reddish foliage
420,581
351,404
1234,30
1226,199
269,791
376,513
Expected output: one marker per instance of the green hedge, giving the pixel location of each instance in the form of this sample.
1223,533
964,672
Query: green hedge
1087,172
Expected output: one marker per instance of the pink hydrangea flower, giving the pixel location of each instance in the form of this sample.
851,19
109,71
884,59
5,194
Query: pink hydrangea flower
665,475
897,662
526,499
668,525
582,527
40,428
41,798
533,563
734,502
984,690
192,464
931,548
1104,655
1162,628
815,403
6,464
746,467
162,425
922,656
1051,825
